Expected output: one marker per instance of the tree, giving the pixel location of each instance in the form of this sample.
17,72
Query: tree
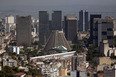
6,48
34,72
8,71
115,41
78,48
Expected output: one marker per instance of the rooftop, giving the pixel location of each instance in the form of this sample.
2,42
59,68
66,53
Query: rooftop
20,73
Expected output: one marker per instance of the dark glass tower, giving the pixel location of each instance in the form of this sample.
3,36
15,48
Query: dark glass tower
43,27
57,20
83,21
91,24
71,28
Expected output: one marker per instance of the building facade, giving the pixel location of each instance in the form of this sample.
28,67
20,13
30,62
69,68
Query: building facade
83,21
103,30
91,24
9,23
57,20
71,28
43,27
23,29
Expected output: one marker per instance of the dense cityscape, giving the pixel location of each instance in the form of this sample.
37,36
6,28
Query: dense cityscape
63,46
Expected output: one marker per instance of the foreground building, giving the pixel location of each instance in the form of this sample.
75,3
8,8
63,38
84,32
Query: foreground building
23,29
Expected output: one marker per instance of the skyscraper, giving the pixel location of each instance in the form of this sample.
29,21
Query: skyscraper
83,21
23,29
43,27
71,28
103,30
57,20
9,22
91,24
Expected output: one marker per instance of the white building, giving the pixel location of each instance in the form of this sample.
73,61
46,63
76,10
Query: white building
10,19
9,62
114,22
10,23
14,49
106,50
110,72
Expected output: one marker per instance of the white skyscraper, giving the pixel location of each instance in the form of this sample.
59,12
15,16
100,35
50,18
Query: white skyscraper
10,23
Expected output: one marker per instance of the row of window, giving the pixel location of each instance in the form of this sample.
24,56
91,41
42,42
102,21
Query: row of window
108,37
108,29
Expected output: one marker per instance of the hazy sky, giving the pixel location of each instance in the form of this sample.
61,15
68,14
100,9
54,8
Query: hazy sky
67,6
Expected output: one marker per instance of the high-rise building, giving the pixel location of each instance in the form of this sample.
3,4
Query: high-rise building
71,28
57,20
91,24
9,22
10,19
83,21
43,27
103,30
23,30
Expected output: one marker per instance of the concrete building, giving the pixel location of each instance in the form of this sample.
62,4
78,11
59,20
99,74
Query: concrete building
1,24
83,21
23,30
9,62
103,30
71,28
9,21
114,22
82,35
56,39
106,50
2,41
92,26
57,20
43,27
33,32
74,62
14,49
109,72
103,61
78,74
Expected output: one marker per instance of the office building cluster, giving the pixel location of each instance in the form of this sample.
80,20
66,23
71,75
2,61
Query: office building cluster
59,45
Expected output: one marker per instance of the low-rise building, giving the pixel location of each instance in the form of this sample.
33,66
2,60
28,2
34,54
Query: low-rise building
106,50
14,49
9,62
109,72
20,74
103,60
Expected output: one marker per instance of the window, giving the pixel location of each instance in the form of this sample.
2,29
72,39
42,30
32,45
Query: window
109,29
109,37
104,33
